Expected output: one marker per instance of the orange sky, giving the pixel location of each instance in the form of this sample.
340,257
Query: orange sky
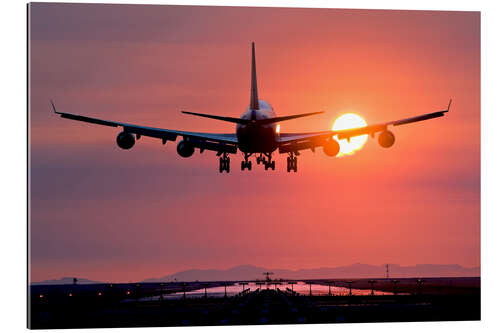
107,214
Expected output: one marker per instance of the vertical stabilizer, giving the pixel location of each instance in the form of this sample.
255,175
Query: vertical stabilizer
254,97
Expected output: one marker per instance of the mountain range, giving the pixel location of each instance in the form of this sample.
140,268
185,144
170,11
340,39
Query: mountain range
250,272
65,280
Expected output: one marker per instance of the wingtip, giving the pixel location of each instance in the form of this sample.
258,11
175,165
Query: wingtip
53,106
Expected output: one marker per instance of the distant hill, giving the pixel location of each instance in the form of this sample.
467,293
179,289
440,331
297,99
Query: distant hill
250,272
66,280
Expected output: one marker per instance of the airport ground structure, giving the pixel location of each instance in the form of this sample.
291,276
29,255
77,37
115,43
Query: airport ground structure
274,302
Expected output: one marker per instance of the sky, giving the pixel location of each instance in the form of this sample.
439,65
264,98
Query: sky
106,214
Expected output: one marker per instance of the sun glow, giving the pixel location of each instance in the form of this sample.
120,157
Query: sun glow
347,121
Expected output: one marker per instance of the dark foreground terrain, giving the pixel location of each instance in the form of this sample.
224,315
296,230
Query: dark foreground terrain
119,306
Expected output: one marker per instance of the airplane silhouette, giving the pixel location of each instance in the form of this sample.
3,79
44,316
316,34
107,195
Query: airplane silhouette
256,133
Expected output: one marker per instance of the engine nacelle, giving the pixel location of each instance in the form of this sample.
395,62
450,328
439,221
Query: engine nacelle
386,139
331,148
185,148
125,140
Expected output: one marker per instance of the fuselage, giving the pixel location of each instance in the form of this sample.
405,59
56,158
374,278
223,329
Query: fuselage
253,138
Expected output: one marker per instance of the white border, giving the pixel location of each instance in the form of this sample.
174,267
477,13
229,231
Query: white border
13,185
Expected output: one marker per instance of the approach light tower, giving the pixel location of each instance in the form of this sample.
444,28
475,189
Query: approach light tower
243,284
387,271
310,288
330,283
268,279
349,283
205,285
395,284
372,282
419,290
184,284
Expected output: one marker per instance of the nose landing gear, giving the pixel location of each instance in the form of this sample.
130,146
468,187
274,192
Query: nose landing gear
291,162
260,159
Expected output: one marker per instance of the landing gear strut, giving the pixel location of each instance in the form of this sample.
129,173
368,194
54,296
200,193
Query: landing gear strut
224,163
260,159
268,164
291,162
246,164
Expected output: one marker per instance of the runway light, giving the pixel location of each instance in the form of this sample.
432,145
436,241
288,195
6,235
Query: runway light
99,294
70,294
128,292
41,295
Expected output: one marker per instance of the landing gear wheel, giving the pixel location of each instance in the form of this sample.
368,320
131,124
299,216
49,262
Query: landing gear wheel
246,164
268,163
224,163
291,163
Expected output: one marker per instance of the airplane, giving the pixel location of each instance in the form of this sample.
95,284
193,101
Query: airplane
256,133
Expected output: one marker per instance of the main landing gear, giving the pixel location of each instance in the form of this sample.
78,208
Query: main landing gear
291,162
264,158
224,163
268,164
246,164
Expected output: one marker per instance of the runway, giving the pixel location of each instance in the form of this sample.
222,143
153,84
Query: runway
147,304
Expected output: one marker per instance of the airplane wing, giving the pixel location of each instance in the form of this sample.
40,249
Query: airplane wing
210,141
293,142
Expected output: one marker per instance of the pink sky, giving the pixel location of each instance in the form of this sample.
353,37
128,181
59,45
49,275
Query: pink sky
107,214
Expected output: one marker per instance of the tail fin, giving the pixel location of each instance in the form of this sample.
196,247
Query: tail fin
254,97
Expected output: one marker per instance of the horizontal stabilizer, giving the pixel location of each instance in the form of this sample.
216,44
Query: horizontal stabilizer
247,121
278,119
228,119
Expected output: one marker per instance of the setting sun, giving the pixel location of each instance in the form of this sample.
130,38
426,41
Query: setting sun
347,121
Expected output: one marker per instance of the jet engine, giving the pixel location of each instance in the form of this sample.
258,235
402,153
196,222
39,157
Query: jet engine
386,139
331,148
185,148
125,140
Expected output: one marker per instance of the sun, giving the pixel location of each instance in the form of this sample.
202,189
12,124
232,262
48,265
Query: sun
346,121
